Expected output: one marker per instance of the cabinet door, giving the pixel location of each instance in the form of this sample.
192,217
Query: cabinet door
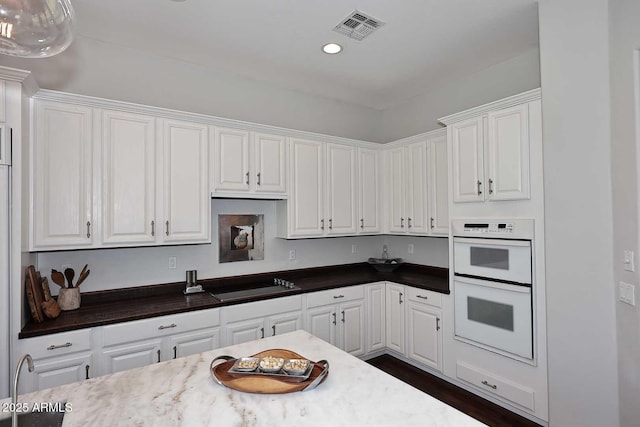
231,160
306,195
270,163
322,322
341,189
187,200
369,194
62,174
424,338
54,372
438,186
375,322
508,148
192,343
283,323
466,142
245,330
130,356
352,327
416,188
128,178
395,199
395,317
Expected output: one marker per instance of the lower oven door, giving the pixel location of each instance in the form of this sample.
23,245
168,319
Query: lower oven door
494,314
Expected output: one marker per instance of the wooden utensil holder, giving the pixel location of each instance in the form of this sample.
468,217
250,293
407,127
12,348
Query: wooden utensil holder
69,299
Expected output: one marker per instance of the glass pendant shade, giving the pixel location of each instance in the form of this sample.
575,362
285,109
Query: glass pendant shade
35,28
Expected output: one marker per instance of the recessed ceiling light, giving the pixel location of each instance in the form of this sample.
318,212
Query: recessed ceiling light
331,48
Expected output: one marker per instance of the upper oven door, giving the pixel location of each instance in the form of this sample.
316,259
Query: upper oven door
497,259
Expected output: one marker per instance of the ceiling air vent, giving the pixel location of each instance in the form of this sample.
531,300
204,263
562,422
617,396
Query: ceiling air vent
358,25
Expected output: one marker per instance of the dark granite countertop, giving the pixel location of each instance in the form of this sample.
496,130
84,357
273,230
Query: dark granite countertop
122,305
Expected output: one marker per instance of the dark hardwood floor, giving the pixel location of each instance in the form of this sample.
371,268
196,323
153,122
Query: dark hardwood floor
475,406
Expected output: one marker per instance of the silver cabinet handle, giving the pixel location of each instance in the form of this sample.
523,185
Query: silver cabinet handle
431,222
161,327
342,316
437,323
338,296
361,222
334,318
158,356
401,222
322,224
490,186
166,224
153,228
274,330
400,297
259,178
330,224
422,296
88,229
493,386
56,346
479,190
86,369
175,352
247,178
262,332
408,222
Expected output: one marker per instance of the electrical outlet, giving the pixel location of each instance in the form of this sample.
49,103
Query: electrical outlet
628,262
292,255
410,248
173,263
354,249
627,293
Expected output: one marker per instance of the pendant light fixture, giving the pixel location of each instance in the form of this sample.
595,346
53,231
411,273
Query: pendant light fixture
35,28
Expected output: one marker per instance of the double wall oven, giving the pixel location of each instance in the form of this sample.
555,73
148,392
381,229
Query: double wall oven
493,283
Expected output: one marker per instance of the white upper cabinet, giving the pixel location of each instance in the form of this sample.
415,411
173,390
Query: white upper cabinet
508,153
438,185
186,204
306,204
248,164
62,191
231,157
270,163
490,155
417,186
128,178
341,207
111,177
369,190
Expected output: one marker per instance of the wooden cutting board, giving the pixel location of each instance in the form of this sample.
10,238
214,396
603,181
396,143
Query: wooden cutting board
35,294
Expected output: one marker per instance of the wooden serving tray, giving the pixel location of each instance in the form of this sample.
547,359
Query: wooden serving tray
267,384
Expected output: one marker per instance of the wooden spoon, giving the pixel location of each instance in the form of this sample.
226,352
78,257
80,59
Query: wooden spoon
69,274
57,278
83,276
82,272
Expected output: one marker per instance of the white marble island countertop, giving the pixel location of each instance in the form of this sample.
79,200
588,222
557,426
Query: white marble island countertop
182,392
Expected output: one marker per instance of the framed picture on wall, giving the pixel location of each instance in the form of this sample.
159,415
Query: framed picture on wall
240,237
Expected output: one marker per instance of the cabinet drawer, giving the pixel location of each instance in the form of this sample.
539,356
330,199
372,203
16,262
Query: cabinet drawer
253,310
57,344
333,296
502,387
160,326
424,296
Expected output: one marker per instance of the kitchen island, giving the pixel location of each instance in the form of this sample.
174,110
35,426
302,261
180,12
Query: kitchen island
182,392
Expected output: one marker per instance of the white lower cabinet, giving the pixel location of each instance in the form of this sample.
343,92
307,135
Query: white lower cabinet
139,343
414,324
58,359
338,317
256,320
375,322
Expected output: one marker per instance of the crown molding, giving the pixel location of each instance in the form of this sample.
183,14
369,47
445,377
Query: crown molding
21,76
417,138
521,98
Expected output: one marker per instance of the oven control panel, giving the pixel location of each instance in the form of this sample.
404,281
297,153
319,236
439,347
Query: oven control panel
489,227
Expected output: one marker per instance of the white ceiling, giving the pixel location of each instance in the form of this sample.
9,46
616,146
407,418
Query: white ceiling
424,42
